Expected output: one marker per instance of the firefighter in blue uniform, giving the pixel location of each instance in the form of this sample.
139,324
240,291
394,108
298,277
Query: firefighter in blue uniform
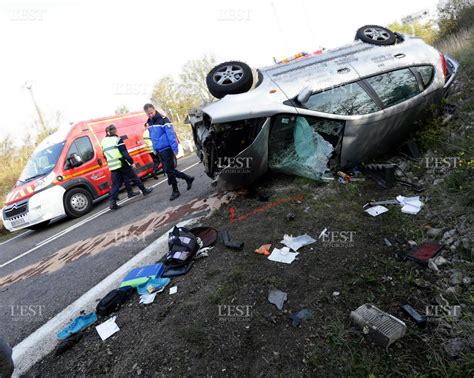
120,165
166,146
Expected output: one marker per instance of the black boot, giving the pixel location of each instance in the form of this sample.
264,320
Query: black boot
133,194
114,205
189,182
147,191
175,193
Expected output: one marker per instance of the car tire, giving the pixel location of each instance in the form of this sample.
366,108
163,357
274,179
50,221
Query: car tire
376,35
39,226
231,77
77,202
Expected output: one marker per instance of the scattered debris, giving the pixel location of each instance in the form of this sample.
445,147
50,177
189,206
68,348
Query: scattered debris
419,319
107,328
344,176
376,210
456,278
297,317
454,347
178,270
412,243
207,235
283,255
290,217
424,252
323,233
114,300
433,232
232,245
336,293
297,242
67,344
77,325
440,260
143,274
264,249
433,266
411,148
382,174
148,298
173,290
277,297
383,328
386,202
202,252
410,205
152,285
387,242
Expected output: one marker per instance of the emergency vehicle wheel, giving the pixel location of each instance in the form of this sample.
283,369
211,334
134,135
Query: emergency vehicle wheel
77,202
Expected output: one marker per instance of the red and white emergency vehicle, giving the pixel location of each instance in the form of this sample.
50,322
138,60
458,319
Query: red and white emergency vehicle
68,171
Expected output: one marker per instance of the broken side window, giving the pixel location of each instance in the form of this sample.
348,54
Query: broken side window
303,146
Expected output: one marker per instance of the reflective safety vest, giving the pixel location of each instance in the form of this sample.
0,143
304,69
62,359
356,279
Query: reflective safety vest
111,152
148,142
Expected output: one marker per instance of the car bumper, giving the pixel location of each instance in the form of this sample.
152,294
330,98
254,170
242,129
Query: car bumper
453,68
41,207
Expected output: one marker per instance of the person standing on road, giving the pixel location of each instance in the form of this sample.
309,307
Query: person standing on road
120,164
151,151
6,362
165,144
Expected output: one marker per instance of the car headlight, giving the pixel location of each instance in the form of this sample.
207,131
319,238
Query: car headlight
45,181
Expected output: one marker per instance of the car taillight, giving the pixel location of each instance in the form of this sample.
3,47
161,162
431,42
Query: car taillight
443,65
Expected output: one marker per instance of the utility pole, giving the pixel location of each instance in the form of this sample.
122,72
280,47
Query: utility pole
29,86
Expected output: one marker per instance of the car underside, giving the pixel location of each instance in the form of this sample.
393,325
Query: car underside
319,113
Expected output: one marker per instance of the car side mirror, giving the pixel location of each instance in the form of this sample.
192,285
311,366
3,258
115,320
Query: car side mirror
74,160
304,95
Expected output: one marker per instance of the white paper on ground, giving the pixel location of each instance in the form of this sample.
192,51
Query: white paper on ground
148,298
173,290
107,328
376,210
283,255
410,205
296,243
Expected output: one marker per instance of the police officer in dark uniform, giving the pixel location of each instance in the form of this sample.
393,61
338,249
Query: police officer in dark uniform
120,164
166,146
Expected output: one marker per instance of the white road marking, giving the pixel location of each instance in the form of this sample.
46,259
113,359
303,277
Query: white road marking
41,342
13,238
74,226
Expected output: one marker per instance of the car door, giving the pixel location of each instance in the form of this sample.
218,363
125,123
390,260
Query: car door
92,171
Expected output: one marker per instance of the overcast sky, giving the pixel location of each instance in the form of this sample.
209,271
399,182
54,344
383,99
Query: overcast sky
85,58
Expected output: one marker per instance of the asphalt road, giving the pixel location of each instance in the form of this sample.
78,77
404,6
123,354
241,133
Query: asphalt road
42,272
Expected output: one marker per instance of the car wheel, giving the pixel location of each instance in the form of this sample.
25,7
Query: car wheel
39,226
77,202
229,78
376,35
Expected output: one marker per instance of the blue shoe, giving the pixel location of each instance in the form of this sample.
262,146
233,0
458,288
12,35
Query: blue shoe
77,325
156,284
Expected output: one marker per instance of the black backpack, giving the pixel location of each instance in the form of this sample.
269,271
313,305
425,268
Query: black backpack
113,300
183,245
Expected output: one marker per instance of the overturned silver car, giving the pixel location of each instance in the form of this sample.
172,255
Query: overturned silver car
318,112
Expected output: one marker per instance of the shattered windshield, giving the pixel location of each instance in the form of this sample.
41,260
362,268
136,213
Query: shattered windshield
300,148
41,162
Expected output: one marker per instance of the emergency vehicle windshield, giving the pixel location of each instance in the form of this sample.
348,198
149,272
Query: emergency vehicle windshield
41,162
